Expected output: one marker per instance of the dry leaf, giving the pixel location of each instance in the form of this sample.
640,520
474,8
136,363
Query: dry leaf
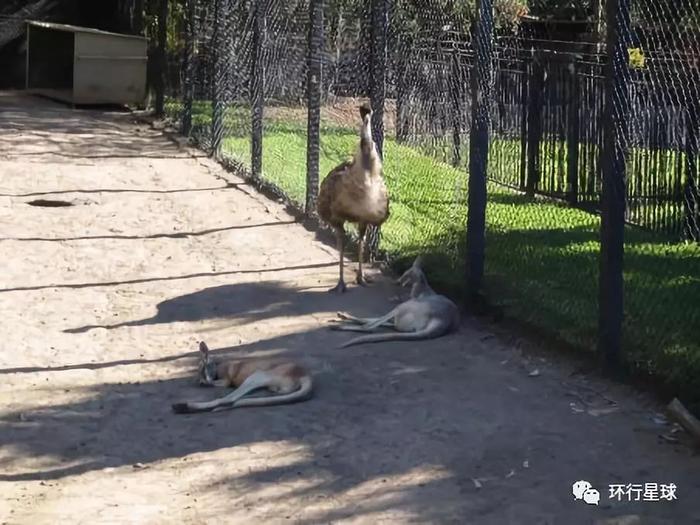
595,412
534,373
526,464
575,408
510,474
477,483
659,419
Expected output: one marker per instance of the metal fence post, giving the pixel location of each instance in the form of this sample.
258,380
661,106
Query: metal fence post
377,89
402,73
573,136
482,86
534,123
615,145
189,66
221,71
313,96
257,87
691,196
456,98
161,67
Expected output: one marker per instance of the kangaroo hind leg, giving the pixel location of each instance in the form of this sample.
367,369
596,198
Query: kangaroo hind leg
361,320
386,320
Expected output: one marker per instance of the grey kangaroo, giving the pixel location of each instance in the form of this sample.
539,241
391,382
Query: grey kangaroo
425,315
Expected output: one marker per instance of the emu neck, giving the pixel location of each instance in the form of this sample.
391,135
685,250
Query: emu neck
367,150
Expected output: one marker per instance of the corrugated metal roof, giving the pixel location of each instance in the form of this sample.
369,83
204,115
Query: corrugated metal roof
78,29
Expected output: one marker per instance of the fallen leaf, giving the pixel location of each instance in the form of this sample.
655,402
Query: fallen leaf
510,474
534,373
677,428
477,483
575,408
595,412
526,464
659,419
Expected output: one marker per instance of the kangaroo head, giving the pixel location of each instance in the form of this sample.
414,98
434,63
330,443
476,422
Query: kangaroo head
207,366
415,278
365,110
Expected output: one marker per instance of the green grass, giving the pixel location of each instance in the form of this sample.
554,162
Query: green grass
542,257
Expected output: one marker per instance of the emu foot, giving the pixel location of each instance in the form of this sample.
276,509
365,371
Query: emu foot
339,288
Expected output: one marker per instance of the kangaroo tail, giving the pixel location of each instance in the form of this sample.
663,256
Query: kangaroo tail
255,381
303,393
432,330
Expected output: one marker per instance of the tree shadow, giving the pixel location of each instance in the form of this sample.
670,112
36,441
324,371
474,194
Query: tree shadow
372,400
178,235
120,190
241,303
102,284
39,128
395,427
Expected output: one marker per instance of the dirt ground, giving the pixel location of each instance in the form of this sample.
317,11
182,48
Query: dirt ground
101,306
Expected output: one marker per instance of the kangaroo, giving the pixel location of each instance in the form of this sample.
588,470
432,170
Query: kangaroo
425,315
288,382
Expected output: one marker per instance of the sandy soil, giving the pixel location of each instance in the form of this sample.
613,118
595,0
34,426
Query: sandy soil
102,302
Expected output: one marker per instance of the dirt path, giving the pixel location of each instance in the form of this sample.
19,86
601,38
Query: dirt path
101,304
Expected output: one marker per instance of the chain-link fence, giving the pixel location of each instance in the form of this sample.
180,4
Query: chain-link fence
541,154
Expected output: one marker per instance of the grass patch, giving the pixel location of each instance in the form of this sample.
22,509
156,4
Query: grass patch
542,257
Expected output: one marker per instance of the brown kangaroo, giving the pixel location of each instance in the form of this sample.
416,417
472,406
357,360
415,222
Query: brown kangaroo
287,381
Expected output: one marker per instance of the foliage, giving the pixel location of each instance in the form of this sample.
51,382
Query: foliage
564,9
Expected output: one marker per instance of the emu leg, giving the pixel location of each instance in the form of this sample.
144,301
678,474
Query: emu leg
340,236
361,279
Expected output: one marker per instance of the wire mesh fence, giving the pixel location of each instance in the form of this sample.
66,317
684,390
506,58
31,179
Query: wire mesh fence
543,152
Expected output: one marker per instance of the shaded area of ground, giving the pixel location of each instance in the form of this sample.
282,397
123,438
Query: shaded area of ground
101,305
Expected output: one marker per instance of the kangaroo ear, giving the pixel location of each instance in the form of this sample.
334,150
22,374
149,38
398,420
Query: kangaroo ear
204,348
418,263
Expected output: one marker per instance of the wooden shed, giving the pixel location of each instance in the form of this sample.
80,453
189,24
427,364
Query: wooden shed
80,65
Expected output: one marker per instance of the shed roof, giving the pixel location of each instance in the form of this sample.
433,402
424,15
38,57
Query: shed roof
78,29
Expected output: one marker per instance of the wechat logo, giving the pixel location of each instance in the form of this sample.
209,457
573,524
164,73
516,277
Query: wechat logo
583,490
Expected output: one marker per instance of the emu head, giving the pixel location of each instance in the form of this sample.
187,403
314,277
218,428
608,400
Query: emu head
365,110
207,372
